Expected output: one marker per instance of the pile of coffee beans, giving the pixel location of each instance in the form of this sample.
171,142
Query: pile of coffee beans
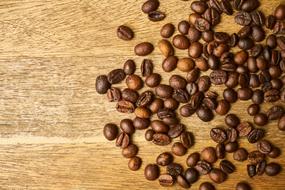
248,69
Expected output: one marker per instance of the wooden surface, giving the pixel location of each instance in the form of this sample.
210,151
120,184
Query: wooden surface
51,118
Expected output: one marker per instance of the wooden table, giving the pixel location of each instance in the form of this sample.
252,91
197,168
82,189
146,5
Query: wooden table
51,118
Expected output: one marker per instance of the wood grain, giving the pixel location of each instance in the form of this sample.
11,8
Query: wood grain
51,118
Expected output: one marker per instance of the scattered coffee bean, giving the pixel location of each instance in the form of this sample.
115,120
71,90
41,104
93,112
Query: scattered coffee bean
251,170
164,159
123,140
170,63
218,135
243,186
129,67
227,167
114,94
203,167
232,120
146,67
127,126
178,149
167,30
191,175
182,182
255,135
209,155
206,186
240,155
275,152
141,123
193,159
161,139
272,169
135,163
255,157
124,106
153,80
166,180
260,168
134,82
244,129
102,84
150,5
217,176
156,16
174,169
180,41
264,146
149,135
260,119
275,112
125,33
231,147
143,49
220,151
151,172
130,151
110,131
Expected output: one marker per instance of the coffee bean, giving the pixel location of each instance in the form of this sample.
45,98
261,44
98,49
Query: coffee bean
254,83
185,64
220,150
124,106
230,95
264,146
221,37
227,167
245,43
102,84
232,120
177,82
260,119
114,94
212,16
205,114
141,123
243,18
151,172
171,103
216,5
244,129
129,67
271,41
204,83
181,95
130,95
156,16
223,107
199,6
258,34
272,95
187,139
161,139
146,67
226,7
260,168
183,27
241,57
125,33
203,167
181,41
191,175
159,127
255,135
196,100
281,123
244,93
193,17
274,153
116,76
110,131
251,170
170,63
217,176
270,22
165,113
174,169
281,42
166,180
193,34
231,147
206,186
195,50
127,126
232,134
272,169
164,159
253,109
243,186
150,5
202,24
153,80
218,135
279,12
279,27
176,130
149,134
240,155
123,140
130,151
275,112
134,82
210,103
209,155
258,18
249,5
202,64
164,91
257,96
135,163
208,36
165,48
167,30
145,98
178,149
182,182
255,157
143,49
218,77
193,159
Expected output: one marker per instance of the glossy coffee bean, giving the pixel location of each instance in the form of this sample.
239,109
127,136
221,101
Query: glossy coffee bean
151,172
182,182
180,41
279,12
110,131
230,95
217,176
143,49
164,159
130,151
260,119
134,163
178,149
243,186
240,155
171,103
127,126
125,33
272,169
209,155
156,105
167,30
231,147
183,27
191,175
102,84
185,64
149,135
227,167
193,159
206,186
134,82
232,120
170,63
223,107
174,169
129,67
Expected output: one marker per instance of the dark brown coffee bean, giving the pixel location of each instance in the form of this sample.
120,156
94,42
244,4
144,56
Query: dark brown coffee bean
223,107
270,21
134,163
209,155
271,41
161,139
231,67
233,39
181,95
227,167
153,80
232,134
264,146
177,82
231,147
146,67
230,95
232,79
255,135
127,126
241,57
164,159
199,6
164,91
279,12
174,169
226,7
134,82
244,129
244,93
279,27
176,130
192,159
204,83
205,114
196,100
171,103
123,140
183,27
183,182
149,6
258,34
124,106
170,63
181,41
203,167
141,123
281,123
166,180
249,5
221,37
202,24
194,34
275,112
151,172
232,120
255,157
143,49
251,170
243,186
185,64
257,96
208,36
156,16
195,50
245,43
218,77
220,151
254,82
272,95
218,135
253,109
187,139
167,30
149,135
243,80
145,99
216,5
272,169
260,119
217,176
212,16
243,18
191,175
125,33
102,84
110,131
129,67
130,151
193,75
206,186
186,110
275,152
113,94
159,127
240,155
130,95
281,42
258,18
193,17
178,149
165,113
260,168
210,103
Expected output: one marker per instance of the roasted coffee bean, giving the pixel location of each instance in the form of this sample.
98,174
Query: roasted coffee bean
271,41
249,5
227,167
187,139
275,112
181,95
255,135
164,91
153,80
181,41
258,18
167,30
279,12
203,167
129,67
156,16
245,43
216,5
174,169
257,96
124,106
272,95
113,94
258,34
218,77
130,151
176,130
195,50
240,155
171,103
191,175
208,154
244,129
143,49
127,126
145,99
208,36
279,27
193,159
177,82
159,127
232,80
141,123
194,34
243,80
178,149
217,176
260,119
134,82
237,4
187,110
232,120
161,139
202,24
193,17
260,168
233,39
254,82
185,64
151,172
264,146
221,37
164,159
204,83
183,27
146,67
134,163
255,157
212,16
102,84
252,65
241,57
110,131
251,170
270,22
223,107
205,114
232,134
193,75
170,63
281,123
213,62
206,186
210,103
243,18
165,48
150,5
218,135
165,113
272,169
196,100
253,109
226,7
231,147
170,120
130,95
123,140
220,151
199,6
149,135
275,152
201,63
281,42
125,33
166,180
244,93
182,182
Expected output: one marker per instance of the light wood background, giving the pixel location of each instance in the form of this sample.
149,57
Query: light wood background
51,118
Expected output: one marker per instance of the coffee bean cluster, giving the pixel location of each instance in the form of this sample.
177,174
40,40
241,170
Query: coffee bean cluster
252,71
